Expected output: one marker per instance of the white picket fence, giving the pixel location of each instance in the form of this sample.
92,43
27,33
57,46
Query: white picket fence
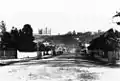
26,54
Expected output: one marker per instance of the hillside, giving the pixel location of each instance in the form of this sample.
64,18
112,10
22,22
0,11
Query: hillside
59,39
68,40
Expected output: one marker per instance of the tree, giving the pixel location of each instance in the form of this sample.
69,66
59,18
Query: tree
69,33
115,20
3,26
74,33
27,29
87,33
25,42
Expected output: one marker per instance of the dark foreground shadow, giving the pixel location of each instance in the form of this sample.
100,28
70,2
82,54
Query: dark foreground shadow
5,63
27,60
69,60
65,60
95,62
77,60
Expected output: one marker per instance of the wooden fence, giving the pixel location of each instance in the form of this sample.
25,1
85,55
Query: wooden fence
8,53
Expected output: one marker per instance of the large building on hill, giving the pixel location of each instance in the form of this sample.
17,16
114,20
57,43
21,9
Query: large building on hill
45,31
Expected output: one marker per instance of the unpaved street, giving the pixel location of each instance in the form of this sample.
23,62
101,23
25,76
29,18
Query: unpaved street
66,67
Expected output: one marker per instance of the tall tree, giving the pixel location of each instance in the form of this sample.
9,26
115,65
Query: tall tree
115,18
74,32
3,26
26,38
27,29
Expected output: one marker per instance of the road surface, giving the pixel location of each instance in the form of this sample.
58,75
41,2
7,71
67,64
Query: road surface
66,67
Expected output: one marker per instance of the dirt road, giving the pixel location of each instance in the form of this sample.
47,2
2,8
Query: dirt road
66,67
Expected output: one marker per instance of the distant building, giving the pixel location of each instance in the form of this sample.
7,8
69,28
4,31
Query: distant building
40,31
45,31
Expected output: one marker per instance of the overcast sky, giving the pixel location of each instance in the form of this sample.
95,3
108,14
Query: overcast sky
60,15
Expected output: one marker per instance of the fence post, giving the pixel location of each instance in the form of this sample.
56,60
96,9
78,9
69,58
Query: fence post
39,54
4,55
